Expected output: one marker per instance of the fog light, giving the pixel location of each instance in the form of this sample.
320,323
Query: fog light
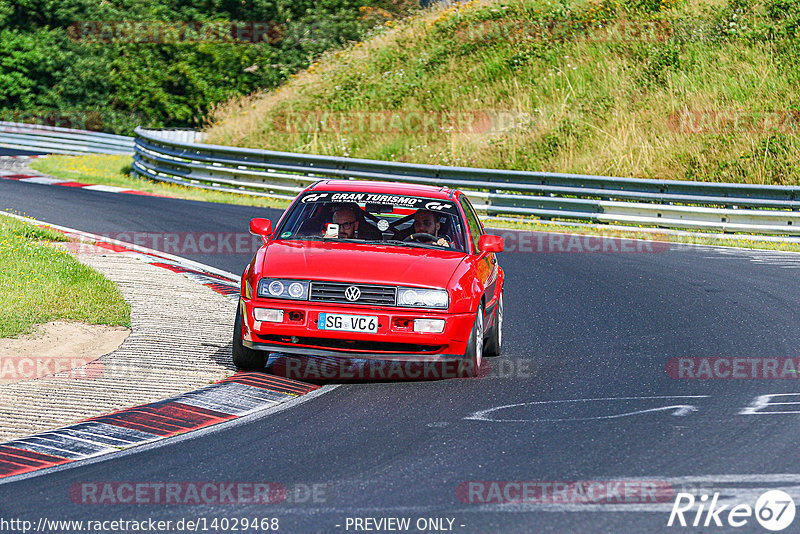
268,315
433,326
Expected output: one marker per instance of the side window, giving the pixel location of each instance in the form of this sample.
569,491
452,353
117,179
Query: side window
475,229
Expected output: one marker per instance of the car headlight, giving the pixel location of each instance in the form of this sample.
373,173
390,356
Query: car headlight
283,289
422,298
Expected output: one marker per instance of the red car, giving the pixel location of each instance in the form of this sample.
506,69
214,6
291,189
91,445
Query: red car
373,270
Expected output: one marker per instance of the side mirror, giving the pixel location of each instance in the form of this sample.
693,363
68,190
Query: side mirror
491,243
262,227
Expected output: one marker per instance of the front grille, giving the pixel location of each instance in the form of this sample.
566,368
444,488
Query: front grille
370,294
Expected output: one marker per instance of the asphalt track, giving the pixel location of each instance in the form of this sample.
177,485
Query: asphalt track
579,327
15,152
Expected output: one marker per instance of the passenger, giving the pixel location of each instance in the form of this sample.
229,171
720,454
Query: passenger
427,222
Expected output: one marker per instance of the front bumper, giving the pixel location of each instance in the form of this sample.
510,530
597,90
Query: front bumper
395,338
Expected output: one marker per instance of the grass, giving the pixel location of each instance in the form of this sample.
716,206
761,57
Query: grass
40,283
666,89
116,171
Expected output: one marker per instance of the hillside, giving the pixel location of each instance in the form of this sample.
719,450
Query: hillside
113,65
672,89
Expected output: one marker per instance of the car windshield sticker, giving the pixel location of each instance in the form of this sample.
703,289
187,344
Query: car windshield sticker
286,234
315,197
399,201
383,225
376,198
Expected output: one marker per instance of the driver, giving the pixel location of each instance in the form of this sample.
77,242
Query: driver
347,220
426,221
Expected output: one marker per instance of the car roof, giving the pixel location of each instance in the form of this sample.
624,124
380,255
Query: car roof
365,186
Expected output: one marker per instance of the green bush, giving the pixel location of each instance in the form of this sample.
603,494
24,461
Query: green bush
50,72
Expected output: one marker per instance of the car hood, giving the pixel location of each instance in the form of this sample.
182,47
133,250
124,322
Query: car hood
360,263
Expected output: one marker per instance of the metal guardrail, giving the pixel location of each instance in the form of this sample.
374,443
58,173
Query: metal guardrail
164,156
52,140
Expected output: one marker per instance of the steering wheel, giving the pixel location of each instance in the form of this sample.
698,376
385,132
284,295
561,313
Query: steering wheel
426,237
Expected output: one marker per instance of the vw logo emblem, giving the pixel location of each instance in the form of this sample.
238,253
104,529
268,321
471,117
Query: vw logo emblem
352,293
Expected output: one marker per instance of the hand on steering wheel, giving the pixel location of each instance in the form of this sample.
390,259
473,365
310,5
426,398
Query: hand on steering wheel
425,237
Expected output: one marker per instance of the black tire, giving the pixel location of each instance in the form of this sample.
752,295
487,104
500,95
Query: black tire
494,340
473,356
243,357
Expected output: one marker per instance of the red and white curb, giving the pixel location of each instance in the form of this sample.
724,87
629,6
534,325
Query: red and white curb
49,180
242,394
234,397
222,282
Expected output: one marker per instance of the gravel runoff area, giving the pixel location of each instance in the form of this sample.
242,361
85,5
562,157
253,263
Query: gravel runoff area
180,340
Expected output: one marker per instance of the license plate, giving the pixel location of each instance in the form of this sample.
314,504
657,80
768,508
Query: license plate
348,323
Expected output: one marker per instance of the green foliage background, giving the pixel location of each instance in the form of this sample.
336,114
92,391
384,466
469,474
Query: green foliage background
47,76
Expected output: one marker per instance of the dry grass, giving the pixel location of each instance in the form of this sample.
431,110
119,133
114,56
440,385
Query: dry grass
593,103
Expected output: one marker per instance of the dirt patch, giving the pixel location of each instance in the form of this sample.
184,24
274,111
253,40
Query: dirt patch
61,349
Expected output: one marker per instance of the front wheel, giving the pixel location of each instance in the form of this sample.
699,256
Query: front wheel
243,357
494,341
471,364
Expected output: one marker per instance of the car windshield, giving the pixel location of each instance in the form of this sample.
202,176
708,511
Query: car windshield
396,220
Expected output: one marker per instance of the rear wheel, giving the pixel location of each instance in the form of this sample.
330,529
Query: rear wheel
243,357
494,341
471,364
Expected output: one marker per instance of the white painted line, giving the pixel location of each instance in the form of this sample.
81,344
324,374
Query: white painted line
110,434
106,188
27,445
44,180
106,441
232,398
677,410
85,442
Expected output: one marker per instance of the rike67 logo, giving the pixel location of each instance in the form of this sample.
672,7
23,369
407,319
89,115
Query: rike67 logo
774,510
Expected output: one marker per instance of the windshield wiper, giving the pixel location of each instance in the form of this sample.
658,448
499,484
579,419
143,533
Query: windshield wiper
344,240
397,242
